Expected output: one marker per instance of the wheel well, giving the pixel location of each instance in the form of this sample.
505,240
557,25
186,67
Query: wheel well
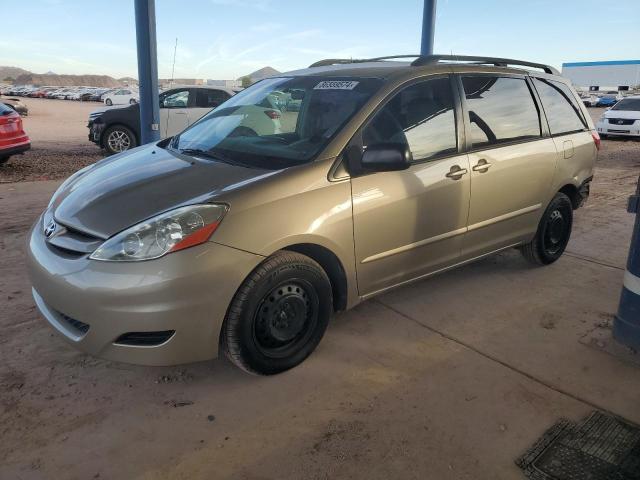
572,192
331,265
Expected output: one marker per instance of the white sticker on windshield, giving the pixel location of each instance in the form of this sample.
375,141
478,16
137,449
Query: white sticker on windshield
336,85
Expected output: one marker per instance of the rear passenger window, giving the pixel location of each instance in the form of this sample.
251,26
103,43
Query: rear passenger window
210,98
563,112
501,110
421,116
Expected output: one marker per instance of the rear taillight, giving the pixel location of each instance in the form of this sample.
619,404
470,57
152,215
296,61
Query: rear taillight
272,114
596,139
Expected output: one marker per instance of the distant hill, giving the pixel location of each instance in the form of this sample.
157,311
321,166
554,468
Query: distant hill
11,72
260,74
67,80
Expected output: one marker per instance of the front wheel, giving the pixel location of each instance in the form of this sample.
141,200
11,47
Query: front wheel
554,231
132,101
279,314
118,139
108,102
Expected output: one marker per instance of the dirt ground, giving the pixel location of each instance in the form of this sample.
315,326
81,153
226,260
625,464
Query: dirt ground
450,378
59,141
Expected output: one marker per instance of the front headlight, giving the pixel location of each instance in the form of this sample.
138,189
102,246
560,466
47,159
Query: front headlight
168,232
603,119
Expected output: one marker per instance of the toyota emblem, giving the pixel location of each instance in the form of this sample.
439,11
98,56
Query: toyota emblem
50,229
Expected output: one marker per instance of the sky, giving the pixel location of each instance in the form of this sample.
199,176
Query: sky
225,39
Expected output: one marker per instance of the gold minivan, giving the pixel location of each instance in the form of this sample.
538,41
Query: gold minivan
373,173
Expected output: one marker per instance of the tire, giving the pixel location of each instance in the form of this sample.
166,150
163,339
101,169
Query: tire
118,139
4,159
554,231
108,102
132,101
279,314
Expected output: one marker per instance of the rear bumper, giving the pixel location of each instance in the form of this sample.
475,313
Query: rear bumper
14,149
187,292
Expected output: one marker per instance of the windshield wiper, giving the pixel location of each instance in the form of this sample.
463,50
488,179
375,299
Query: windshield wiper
213,156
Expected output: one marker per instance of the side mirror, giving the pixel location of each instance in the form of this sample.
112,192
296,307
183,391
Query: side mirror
386,157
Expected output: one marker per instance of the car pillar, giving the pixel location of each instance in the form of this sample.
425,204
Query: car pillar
147,70
626,326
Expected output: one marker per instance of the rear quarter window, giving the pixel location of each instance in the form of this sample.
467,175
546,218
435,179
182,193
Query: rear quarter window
561,107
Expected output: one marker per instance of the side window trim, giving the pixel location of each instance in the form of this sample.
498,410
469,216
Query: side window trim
467,123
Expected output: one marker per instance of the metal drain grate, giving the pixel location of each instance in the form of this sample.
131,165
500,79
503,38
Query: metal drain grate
601,447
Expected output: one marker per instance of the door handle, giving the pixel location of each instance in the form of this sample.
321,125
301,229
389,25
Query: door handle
456,173
482,166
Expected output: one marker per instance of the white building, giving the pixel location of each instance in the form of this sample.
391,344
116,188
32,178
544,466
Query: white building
605,75
224,83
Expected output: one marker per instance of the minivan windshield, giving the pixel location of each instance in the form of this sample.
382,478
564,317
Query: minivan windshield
278,122
628,104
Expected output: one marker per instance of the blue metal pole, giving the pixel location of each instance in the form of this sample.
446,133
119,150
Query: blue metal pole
428,27
147,70
626,326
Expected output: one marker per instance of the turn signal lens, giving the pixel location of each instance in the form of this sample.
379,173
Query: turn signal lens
596,139
169,232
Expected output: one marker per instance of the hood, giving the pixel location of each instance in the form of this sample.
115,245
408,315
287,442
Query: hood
628,114
126,189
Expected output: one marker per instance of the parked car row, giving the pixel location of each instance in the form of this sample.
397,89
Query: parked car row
110,96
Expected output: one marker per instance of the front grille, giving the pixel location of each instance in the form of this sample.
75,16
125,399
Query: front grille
144,339
77,326
73,242
621,121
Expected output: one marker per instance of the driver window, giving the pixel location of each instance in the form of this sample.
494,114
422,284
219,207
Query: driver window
421,116
176,100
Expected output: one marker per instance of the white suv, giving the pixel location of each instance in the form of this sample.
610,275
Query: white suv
621,119
121,96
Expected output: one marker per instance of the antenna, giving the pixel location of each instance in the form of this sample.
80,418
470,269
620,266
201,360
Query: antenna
173,68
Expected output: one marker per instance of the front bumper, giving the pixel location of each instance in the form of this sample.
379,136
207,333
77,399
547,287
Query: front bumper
632,130
187,292
95,131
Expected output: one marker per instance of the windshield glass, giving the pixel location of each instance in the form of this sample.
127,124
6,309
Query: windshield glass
278,122
628,104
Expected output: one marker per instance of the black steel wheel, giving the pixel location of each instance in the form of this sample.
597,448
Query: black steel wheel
553,234
279,314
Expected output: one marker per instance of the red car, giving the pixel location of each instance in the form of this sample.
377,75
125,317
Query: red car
13,138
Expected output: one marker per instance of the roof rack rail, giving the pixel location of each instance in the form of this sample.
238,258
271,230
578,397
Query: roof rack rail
434,59
498,62
342,61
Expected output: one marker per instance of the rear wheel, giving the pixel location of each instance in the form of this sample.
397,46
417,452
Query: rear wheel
4,159
108,102
118,139
554,231
279,314
132,101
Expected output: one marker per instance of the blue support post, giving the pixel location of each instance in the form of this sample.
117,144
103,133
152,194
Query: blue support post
428,27
626,326
147,70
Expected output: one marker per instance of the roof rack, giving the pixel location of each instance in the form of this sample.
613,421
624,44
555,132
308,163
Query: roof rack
498,62
341,61
421,60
